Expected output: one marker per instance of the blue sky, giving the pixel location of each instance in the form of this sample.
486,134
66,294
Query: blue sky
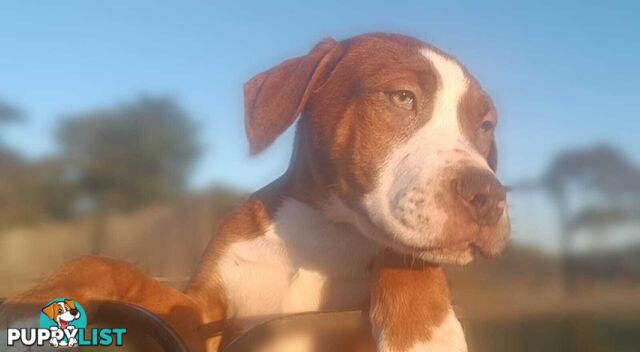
561,74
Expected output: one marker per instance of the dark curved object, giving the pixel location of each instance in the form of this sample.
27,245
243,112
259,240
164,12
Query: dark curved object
131,315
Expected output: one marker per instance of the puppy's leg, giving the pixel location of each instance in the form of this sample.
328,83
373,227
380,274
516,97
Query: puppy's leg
92,280
410,307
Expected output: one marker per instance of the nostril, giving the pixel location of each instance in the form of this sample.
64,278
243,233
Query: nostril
482,192
479,200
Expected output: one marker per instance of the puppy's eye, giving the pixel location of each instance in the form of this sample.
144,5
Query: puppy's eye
403,98
487,126
59,310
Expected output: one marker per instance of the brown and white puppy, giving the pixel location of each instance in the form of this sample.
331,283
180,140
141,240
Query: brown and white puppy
394,149
393,168
62,313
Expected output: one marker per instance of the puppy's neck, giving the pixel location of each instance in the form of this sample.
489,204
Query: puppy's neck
308,178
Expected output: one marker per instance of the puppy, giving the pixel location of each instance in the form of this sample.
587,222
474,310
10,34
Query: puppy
393,174
62,313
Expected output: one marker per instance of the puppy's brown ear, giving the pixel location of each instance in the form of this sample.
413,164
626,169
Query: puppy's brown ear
492,159
274,99
71,303
50,310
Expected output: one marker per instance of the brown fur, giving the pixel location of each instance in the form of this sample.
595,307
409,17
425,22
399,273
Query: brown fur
91,280
271,105
408,299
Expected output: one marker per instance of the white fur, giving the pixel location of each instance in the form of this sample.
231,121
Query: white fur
403,201
447,337
285,269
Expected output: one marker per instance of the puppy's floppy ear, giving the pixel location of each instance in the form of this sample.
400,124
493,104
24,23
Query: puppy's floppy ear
274,99
50,310
492,159
71,303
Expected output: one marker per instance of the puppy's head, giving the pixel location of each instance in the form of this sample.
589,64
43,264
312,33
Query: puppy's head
62,312
397,136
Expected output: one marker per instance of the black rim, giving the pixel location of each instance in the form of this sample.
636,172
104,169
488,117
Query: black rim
147,322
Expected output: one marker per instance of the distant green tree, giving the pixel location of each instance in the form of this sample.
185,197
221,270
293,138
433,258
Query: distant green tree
603,171
14,191
14,195
33,191
9,113
56,190
126,156
129,155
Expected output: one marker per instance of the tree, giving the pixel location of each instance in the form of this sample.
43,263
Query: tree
602,181
32,191
127,156
132,154
9,113
601,171
15,197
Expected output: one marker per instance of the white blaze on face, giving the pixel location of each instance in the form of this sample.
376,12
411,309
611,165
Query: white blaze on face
403,202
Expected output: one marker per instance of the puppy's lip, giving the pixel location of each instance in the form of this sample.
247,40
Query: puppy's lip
487,242
454,256
451,254
479,251
450,250
491,241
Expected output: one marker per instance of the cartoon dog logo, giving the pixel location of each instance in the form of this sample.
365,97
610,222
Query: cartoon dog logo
62,313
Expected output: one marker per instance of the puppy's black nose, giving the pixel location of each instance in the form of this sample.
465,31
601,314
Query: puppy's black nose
73,312
483,193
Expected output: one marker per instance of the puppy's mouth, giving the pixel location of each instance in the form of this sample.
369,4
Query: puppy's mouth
63,324
487,243
447,255
457,255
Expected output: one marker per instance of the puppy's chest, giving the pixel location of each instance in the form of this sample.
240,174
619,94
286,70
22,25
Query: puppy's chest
300,264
